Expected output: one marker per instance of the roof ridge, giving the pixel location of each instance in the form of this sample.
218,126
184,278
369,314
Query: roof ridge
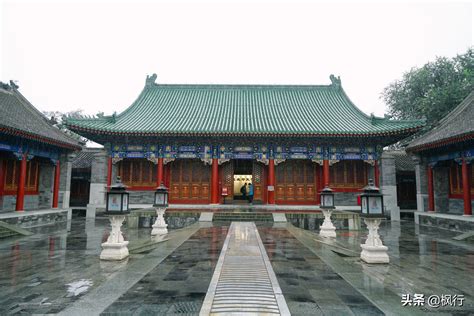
238,86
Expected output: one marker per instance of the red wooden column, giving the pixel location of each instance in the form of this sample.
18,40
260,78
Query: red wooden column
20,193
2,176
318,183
109,172
377,174
326,173
57,174
271,181
159,172
466,188
431,207
215,182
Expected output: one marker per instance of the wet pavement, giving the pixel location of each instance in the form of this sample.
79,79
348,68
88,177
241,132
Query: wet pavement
50,270
309,285
56,269
423,260
179,284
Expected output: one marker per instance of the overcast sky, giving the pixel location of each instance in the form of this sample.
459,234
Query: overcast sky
95,55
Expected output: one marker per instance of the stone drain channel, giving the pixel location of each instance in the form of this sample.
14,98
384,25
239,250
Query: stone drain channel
244,281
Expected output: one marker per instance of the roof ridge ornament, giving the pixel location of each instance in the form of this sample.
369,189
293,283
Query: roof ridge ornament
14,85
4,86
335,81
150,80
9,87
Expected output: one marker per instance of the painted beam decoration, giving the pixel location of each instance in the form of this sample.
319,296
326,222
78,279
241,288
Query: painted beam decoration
33,149
258,152
453,155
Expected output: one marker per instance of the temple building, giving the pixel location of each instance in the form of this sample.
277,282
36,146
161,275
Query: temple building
206,141
35,156
443,156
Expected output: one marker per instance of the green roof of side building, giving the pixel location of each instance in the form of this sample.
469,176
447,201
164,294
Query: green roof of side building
243,110
18,117
456,127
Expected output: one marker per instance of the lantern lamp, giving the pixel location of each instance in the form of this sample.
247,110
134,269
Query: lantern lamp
327,229
373,250
371,201
327,198
115,248
117,199
161,196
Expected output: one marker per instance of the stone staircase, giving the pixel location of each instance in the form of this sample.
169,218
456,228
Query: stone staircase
242,217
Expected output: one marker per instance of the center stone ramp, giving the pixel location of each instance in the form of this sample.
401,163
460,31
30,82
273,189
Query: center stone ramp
244,281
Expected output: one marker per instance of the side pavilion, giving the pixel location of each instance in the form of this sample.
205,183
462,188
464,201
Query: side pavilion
35,171
444,173
205,141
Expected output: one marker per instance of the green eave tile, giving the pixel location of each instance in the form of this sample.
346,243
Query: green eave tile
242,109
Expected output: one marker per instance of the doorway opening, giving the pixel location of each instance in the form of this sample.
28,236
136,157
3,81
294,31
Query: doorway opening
242,178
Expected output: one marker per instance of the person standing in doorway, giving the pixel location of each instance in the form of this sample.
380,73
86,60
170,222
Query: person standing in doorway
243,190
250,193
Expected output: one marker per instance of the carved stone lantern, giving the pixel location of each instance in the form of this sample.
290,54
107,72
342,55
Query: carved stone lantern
115,248
371,201
373,250
327,229
161,196
161,203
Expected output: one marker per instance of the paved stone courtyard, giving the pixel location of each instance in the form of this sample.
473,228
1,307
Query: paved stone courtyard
58,270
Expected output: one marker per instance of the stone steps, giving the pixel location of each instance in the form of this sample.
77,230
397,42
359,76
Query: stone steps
242,217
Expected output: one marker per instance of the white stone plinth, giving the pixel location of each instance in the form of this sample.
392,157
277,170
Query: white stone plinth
373,251
115,248
327,229
159,228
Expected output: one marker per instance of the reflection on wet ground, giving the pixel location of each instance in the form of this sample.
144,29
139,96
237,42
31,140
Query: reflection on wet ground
423,260
179,284
54,268
309,285
313,221
45,272
175,220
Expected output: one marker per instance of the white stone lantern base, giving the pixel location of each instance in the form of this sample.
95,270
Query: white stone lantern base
160,226
373,251
115,248
327,229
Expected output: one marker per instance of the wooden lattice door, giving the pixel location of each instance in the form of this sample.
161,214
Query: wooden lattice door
190,181
258,177
227,179
296,182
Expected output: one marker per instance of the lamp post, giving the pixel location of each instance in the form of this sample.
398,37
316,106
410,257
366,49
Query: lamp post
327,229
115,248
373,250
161,203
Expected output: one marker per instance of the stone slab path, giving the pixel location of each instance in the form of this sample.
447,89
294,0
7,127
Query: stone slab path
244,281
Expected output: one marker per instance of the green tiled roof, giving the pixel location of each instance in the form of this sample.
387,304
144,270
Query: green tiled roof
18,117
456,127
252,110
